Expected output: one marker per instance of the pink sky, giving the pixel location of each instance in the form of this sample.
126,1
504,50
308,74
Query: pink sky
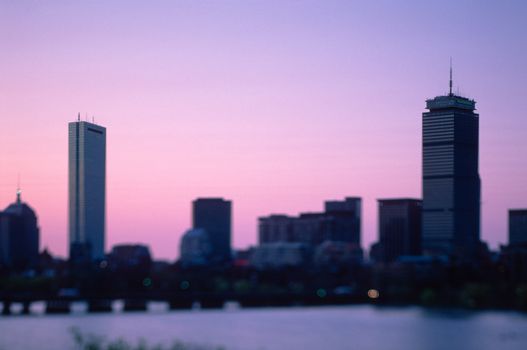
277,106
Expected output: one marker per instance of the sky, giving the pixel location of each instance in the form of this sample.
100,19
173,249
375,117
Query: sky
275,105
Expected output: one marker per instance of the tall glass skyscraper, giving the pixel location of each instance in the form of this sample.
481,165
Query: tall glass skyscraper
451,183
87,190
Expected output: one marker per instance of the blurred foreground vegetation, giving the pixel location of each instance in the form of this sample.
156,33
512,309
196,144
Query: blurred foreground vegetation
96,342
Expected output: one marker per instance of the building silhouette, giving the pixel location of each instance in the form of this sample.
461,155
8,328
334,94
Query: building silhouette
195,248
278,255
340,222
87,190
399,228
517,226
336,254
19,236
276,228
214,216
345,219
130,257
451,182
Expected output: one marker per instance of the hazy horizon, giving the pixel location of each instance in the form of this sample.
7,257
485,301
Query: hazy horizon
277,106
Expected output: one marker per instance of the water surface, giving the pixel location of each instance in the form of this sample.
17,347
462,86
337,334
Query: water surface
340,327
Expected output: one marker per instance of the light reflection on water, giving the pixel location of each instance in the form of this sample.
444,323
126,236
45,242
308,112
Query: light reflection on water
342,327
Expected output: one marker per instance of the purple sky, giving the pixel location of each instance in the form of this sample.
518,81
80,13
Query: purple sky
276,105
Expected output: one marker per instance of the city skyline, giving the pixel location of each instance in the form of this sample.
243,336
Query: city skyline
277,120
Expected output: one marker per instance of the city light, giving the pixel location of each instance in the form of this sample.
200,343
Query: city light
373,293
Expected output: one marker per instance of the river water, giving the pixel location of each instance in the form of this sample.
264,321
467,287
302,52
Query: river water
361,327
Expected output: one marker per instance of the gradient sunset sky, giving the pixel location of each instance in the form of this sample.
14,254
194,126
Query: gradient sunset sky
276,105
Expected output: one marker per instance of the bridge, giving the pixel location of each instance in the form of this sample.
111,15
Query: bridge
55,304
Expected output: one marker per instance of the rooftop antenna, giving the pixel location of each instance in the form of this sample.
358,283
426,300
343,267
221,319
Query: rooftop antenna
93,119
79,117
18,190
450,93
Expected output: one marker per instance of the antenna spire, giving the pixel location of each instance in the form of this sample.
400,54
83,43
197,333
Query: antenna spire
79,117
450,92
18,191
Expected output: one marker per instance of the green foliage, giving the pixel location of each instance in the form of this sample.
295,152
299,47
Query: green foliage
95,342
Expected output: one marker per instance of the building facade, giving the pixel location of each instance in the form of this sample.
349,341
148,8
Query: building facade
517,226
399,228
214,216
276,228
279,255
87,190
345,219
340,222
451,182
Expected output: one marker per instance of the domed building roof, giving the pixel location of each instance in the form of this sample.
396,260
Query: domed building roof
20,235
196,233
195,247
20,208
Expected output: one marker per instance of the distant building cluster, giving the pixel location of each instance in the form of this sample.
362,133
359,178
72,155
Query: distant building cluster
291,241
341,221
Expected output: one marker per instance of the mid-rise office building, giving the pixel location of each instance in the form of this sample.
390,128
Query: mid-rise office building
345,219
214,216
451,182
19,236
399,228
340,222
87,190
517,226
276,228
